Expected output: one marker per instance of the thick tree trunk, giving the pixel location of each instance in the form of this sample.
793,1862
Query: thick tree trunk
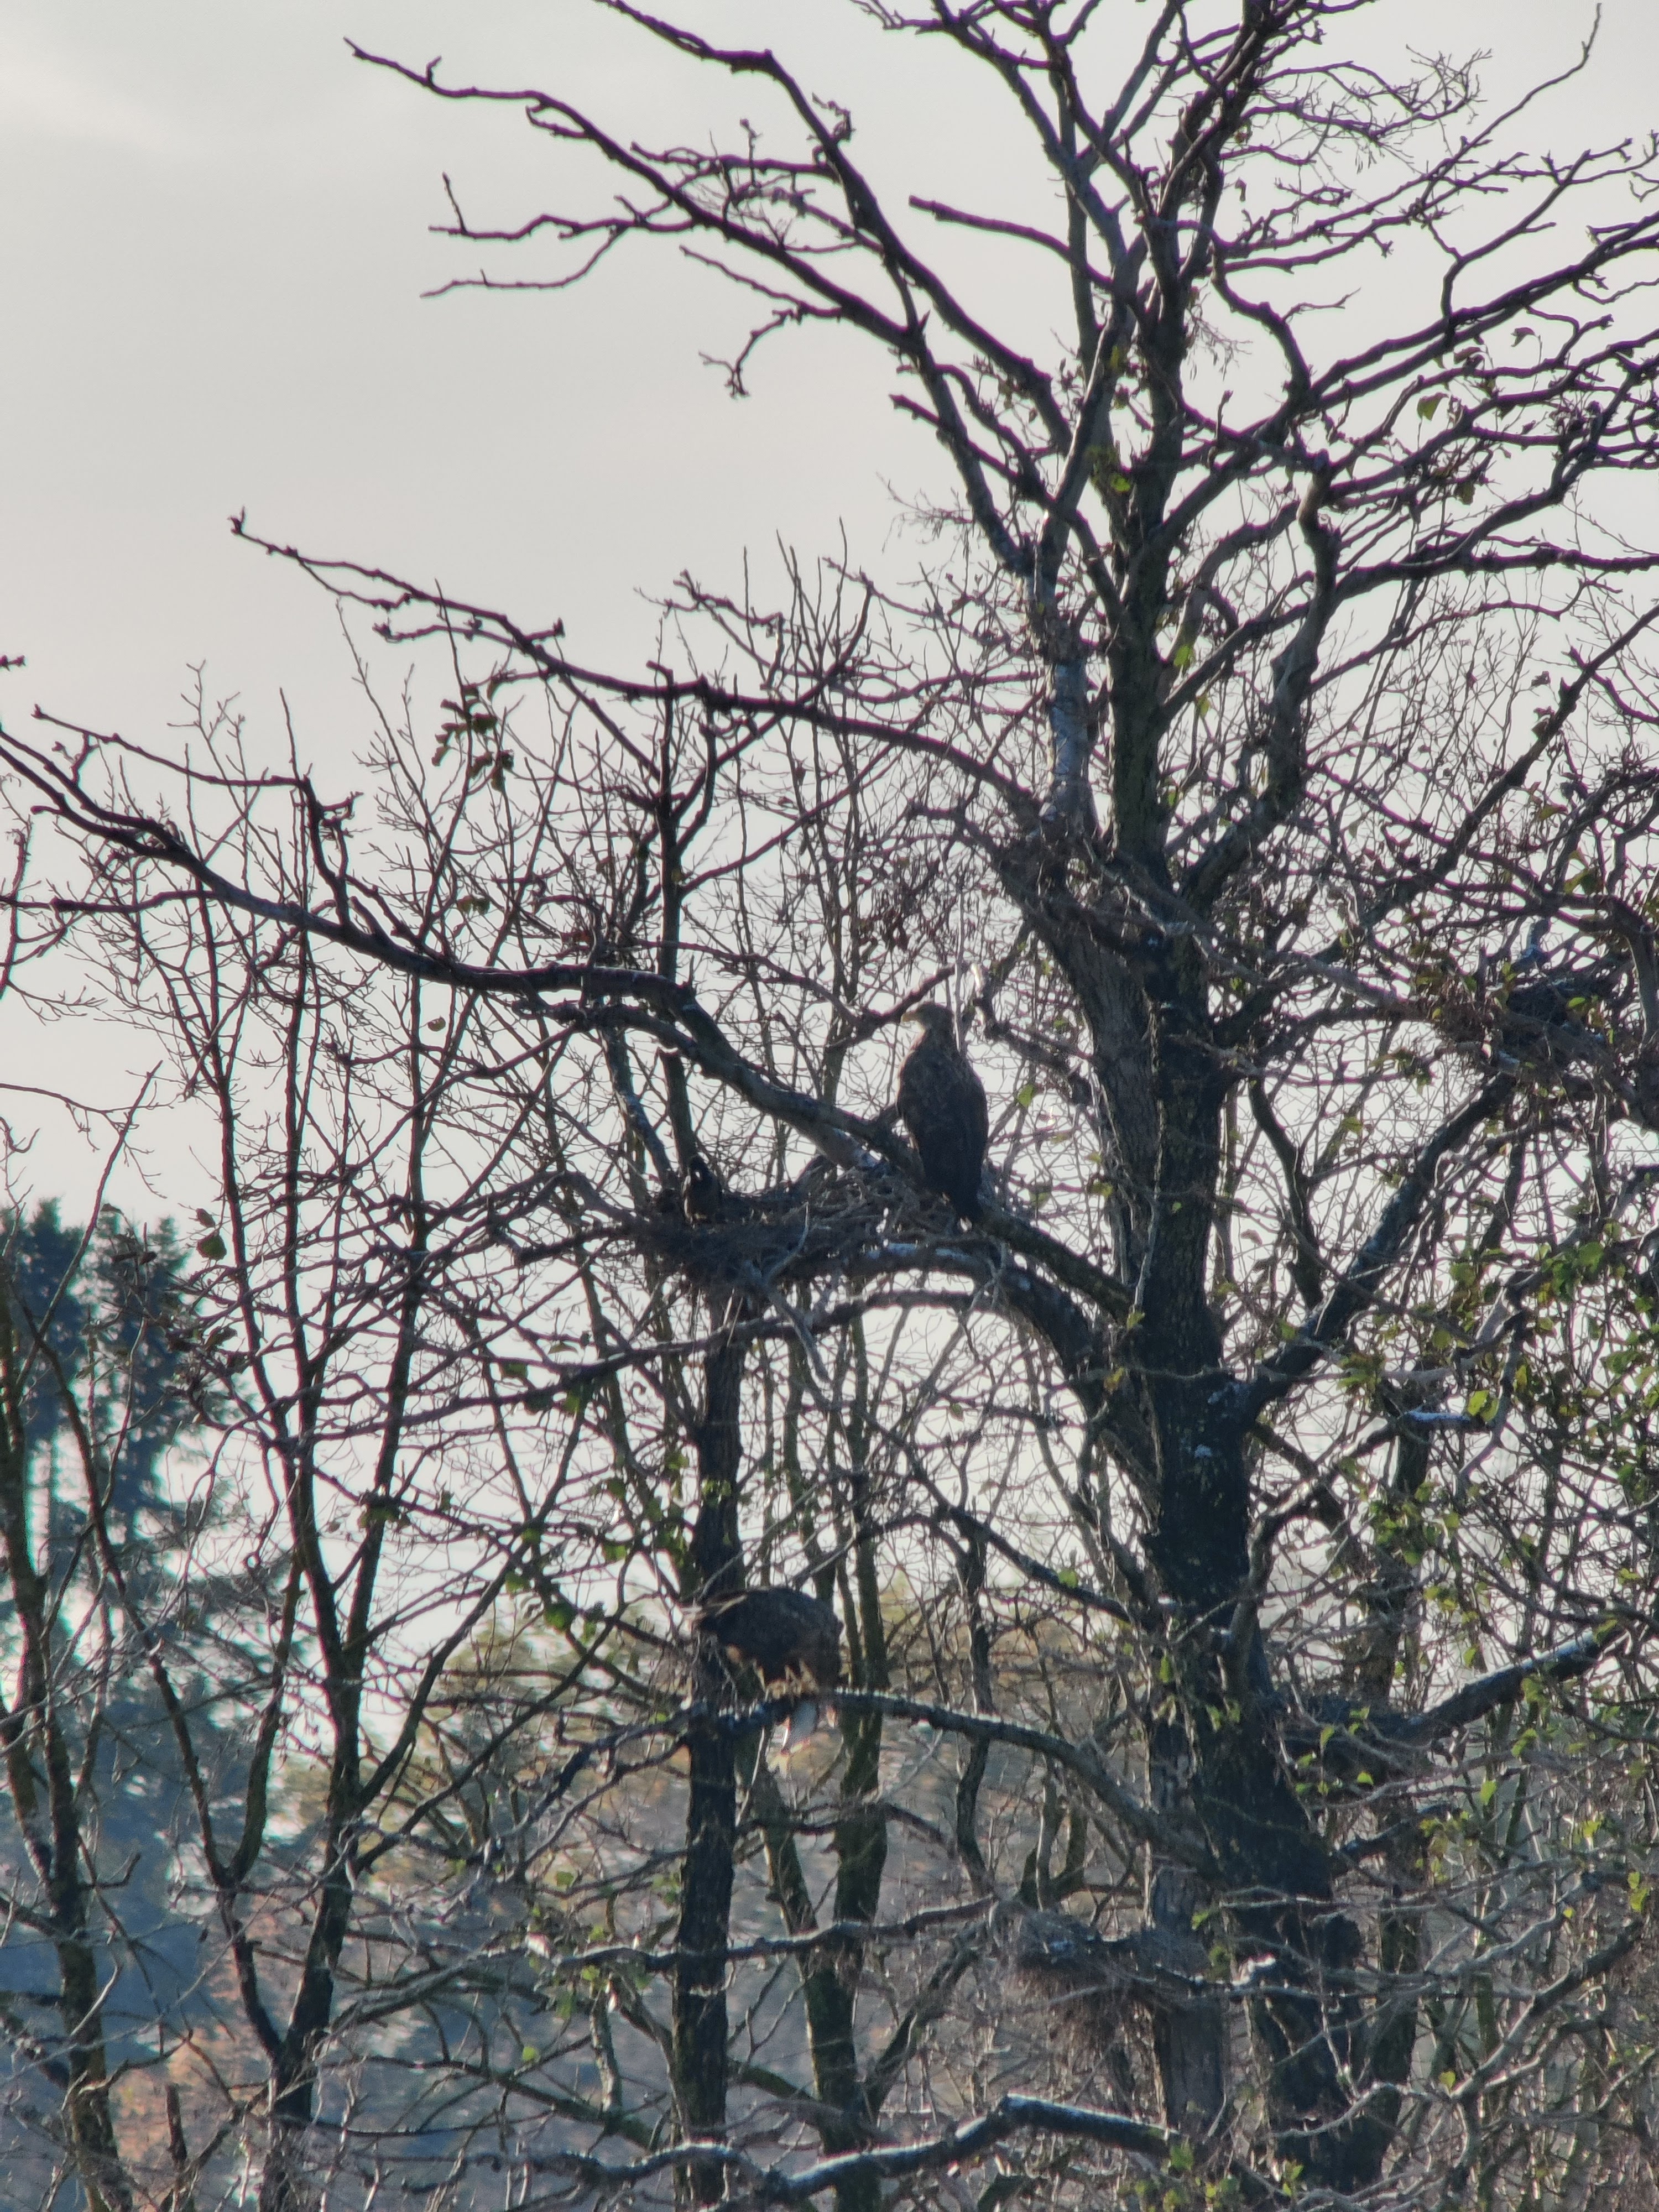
711,1820
285,2185
1220,1731
91,2125
831,1971
827,1992
861,1855
1189,2039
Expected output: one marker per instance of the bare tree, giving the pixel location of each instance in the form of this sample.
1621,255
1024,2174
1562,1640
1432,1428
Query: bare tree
1256,1500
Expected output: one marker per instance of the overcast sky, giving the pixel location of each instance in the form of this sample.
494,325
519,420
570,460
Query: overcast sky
214,237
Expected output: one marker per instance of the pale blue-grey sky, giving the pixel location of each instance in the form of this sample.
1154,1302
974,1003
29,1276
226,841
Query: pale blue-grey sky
214,244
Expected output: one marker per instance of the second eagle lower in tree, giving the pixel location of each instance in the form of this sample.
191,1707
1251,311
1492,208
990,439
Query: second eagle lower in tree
941,1103
792,1639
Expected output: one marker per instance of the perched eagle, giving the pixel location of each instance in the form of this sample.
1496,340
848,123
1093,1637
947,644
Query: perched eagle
941,1103
788,1638
702,1194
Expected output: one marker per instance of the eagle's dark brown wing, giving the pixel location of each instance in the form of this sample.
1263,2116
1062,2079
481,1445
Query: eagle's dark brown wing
941,1103
785,1634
